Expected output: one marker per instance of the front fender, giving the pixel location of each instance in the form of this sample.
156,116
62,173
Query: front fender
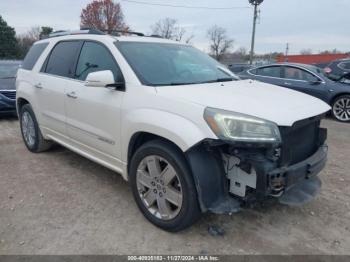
181,131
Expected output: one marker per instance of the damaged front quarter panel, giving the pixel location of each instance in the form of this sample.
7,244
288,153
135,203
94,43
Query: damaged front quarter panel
230,175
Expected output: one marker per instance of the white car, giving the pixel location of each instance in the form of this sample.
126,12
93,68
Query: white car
188,135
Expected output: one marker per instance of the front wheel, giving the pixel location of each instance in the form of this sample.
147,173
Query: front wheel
341,108
163,187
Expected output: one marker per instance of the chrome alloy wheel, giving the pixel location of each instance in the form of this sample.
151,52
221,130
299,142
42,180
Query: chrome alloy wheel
159,187
341,109
28,129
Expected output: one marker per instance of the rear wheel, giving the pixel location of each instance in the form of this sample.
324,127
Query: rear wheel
31,133
163,187
341,108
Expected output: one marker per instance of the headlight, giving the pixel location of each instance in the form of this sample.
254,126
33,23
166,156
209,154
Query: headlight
239,127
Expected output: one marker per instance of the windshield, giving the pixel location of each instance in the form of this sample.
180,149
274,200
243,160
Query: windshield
159,64
8,70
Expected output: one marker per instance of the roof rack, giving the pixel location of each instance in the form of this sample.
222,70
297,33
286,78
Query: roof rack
120,32
76,32
97,32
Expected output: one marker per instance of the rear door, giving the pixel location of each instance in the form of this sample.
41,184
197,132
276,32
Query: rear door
268,74
56,75
304,81
94,113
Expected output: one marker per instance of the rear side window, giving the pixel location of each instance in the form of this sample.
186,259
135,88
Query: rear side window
62,59
33,55
271,71
95,57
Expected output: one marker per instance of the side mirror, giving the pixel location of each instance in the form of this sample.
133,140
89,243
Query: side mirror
103,79
315,81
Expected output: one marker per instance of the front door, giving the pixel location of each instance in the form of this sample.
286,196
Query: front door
303,81
94,113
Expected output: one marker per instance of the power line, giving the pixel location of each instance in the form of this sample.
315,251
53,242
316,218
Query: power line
186,6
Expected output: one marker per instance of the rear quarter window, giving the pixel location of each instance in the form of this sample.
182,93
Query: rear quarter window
33,55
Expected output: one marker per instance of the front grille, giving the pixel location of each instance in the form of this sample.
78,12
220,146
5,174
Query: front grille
9,94
300,141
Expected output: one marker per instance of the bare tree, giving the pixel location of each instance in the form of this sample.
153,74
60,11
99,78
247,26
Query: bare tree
189,39
334,51
168,28
26,40
34,33
306,51
220,44
103,15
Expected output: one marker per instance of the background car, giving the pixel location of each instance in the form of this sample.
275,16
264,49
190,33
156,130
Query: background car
337,68
238,68
307,79
8,71
345,79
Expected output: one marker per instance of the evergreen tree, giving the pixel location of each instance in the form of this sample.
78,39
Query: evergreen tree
8,42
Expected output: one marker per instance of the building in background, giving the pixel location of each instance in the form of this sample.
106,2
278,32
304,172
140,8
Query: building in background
321,60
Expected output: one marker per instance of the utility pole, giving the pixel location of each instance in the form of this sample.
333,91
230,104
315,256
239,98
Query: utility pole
287,50
255,3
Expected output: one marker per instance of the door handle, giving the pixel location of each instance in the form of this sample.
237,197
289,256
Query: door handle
38,86
72,95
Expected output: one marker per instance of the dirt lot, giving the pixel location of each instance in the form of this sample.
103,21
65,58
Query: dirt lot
60,203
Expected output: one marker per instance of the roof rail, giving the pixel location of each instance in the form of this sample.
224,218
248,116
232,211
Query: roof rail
76,32
120,32
97,32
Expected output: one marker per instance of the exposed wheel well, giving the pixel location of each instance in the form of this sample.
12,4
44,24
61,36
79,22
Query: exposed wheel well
140,138
21,102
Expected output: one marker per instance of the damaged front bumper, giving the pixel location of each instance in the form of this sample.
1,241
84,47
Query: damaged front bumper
302,183
229,176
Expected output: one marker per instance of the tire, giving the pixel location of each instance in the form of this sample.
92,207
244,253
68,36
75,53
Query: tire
36,143
341,108
172,160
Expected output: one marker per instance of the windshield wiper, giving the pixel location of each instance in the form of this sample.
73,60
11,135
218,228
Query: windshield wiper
7,77
224,79
182,83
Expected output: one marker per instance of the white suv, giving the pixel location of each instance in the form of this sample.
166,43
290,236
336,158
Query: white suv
188,135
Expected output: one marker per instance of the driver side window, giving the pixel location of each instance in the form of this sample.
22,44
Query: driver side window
95,57
298,74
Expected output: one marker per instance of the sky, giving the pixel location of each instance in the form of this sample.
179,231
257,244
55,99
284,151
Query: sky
304,24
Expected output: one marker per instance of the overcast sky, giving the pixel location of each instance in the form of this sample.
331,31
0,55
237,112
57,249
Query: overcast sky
314,24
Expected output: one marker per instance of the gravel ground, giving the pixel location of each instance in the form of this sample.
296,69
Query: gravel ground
60,203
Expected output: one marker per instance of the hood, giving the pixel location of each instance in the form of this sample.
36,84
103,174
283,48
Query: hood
277,104
8,84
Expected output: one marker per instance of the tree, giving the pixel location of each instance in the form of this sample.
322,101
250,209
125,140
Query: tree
220,44
26,40
242,54
104,15
45,31
334,51
8,42
168,28
306,51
